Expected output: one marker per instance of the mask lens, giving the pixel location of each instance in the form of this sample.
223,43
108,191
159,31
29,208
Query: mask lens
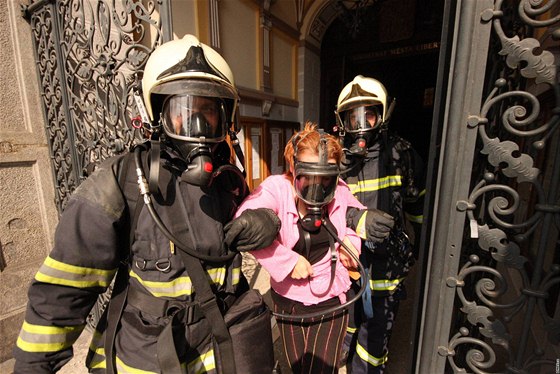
360,118
189,117
315,189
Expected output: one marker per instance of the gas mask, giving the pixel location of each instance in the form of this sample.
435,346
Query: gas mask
315,184
361,128
195,125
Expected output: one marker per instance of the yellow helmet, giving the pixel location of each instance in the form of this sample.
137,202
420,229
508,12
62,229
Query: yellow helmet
183,69
359,101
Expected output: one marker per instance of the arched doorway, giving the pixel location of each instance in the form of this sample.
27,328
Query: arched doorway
397,43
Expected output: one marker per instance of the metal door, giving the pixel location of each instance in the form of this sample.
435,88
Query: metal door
90,56
490,300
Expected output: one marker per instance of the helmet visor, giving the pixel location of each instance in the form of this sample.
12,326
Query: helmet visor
315,184
361,118
195,118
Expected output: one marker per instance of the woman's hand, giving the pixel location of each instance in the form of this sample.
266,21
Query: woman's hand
302,270
346,259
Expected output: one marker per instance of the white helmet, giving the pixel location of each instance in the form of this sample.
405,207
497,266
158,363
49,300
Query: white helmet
179,76
359,101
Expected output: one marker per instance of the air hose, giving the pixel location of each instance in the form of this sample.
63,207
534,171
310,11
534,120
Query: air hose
323,313
144,191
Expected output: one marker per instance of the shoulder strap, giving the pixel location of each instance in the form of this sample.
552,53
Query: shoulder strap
131,193
208,303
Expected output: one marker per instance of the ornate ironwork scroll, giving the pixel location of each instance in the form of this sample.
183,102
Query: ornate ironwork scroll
507,286
90,56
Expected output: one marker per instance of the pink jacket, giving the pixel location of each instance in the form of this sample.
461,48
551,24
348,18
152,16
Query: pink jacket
276,193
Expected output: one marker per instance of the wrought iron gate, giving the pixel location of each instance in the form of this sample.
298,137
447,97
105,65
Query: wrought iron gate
492,276
90,56
491,302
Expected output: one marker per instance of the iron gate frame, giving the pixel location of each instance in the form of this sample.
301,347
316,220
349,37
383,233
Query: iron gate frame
476,225
90,56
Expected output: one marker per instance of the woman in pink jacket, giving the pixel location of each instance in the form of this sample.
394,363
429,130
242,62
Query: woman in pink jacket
305,277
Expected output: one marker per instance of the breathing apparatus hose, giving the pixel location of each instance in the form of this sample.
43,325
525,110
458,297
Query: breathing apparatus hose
144,191
364,284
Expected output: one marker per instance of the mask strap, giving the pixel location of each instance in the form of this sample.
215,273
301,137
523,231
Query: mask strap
323,151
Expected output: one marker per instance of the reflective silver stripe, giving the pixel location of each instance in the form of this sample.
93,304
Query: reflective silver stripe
372,360
56,272
37,338
384,284
376,184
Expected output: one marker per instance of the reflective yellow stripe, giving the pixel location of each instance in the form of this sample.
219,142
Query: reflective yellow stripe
376,184
372,360
422,193
361,227
384,284
98,360
182,286
56,272
415,219
36,338
123,368
218,275
177,287
235,276
351,330
203,363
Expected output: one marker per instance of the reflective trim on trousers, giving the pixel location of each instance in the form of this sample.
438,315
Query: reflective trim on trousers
385,284
372,360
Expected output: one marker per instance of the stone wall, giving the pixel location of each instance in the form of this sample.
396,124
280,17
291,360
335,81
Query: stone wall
29,214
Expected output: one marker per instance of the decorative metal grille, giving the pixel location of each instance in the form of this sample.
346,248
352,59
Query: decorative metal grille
90,56
508,281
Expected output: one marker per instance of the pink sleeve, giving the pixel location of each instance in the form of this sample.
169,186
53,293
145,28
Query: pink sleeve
354,239
277,259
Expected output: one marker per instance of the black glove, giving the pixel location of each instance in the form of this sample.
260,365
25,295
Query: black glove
375,226
253,229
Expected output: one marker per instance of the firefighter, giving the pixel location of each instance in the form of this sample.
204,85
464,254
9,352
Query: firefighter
386,175
174,248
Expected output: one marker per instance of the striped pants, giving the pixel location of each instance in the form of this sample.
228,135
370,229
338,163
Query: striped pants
312,346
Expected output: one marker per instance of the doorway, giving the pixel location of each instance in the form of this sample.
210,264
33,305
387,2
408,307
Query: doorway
405,60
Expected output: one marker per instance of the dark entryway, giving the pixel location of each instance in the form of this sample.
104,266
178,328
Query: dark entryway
397,43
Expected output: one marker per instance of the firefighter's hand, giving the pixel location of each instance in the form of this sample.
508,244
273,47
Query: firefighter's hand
253,229
302,270
374,225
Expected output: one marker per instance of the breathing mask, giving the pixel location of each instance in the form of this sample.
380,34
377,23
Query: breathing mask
194,125
315,183
361,127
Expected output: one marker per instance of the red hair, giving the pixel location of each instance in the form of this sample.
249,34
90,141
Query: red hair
308,140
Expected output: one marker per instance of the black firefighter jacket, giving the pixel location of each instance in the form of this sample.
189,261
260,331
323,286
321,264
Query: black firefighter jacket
390,178
89,244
